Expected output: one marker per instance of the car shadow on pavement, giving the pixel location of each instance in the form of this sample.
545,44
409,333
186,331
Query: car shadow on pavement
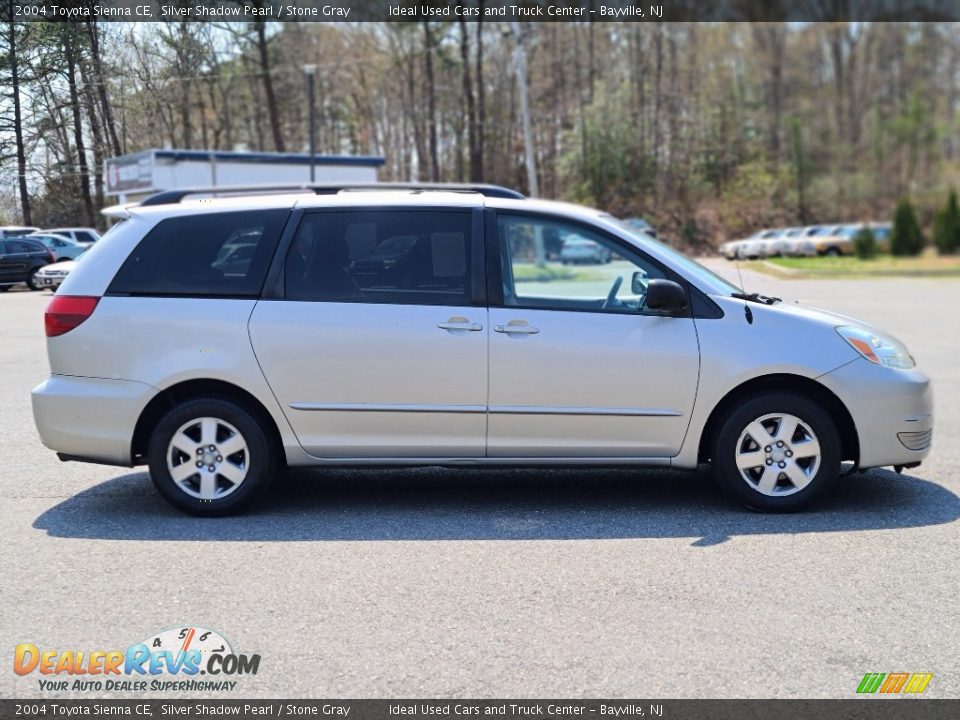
496,504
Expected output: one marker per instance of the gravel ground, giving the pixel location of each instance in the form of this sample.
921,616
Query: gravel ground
516,583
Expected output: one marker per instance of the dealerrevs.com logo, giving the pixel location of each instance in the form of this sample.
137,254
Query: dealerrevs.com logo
180,659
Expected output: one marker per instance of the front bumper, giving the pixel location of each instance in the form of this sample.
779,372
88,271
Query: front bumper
89,418
892,411
49,281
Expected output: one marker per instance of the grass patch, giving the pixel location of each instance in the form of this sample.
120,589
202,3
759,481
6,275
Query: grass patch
847,266
532,273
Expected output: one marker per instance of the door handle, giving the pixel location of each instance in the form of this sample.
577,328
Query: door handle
460,323
516,327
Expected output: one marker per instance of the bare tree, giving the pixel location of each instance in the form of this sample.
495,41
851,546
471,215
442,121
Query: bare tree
428,41
265,69
18,122
100,84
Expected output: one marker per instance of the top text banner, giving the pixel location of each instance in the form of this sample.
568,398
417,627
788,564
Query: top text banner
485,10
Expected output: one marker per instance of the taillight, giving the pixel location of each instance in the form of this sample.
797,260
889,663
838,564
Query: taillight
64,313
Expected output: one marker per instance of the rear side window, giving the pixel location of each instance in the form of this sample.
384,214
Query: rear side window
21,246
82,236
221,255
409,257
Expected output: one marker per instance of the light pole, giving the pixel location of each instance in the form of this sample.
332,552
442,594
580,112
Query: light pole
311,71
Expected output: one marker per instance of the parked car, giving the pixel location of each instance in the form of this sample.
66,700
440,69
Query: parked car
802,243
776,245
15,231
637,223
20,259
579,250
839,240
84,236
755,246
63,248
215,380
51,276
729,249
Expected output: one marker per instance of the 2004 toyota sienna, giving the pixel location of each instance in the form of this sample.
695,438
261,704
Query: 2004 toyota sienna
218,340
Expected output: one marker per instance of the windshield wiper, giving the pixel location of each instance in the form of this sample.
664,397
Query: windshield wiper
757,298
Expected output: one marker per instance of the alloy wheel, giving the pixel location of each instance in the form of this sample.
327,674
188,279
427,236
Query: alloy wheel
208,458
778,454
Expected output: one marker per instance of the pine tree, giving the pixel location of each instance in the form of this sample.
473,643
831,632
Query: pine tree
865,244
946,226
906,238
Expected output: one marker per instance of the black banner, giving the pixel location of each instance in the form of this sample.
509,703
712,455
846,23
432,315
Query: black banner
853,709
490,10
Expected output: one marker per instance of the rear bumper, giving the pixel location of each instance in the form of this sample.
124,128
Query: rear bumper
892,410
89,418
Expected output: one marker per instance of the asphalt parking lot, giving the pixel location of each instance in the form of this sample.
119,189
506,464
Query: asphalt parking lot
516,583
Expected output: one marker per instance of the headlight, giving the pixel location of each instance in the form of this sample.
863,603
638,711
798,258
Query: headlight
878,349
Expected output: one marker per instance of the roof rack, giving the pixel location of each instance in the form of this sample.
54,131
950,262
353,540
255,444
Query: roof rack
172,197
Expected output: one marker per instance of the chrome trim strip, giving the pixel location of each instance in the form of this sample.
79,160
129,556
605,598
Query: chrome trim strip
378,407
499,409
547,410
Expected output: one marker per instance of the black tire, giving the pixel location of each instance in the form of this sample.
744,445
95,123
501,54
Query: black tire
833,252
32,280
725,449
261,460
4,288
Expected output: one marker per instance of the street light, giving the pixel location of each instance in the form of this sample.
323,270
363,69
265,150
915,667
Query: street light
311,71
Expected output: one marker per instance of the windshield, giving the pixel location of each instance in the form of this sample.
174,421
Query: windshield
707,280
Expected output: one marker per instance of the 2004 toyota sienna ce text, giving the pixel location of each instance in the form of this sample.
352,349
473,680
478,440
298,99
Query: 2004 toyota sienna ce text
220,339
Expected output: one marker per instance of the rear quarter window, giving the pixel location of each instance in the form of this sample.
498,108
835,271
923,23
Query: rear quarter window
22,246
219,255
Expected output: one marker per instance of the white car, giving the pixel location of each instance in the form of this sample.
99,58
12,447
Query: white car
51,276
11,231
755,247
803,244
216,380
729,249
777,245
81,235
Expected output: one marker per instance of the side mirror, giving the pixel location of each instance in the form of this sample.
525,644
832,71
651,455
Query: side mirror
666,296
639,282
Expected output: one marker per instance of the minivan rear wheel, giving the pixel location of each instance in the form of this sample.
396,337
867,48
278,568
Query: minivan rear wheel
777,452
210,457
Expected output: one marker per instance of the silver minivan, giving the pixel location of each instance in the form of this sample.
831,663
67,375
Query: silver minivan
415,325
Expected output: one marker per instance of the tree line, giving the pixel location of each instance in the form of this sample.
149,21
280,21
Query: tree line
707,130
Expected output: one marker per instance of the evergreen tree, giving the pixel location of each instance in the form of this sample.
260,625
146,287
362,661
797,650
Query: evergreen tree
906,238
865,244
946,226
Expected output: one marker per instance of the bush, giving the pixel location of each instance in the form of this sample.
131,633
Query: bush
865,244
946,226
906,238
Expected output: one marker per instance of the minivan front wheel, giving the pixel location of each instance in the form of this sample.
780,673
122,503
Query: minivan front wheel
210,457
777,452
